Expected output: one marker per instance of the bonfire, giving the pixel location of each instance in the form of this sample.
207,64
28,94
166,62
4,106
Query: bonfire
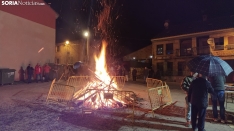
102,91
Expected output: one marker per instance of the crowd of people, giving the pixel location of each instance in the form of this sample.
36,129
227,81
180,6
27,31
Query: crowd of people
37,73
196,87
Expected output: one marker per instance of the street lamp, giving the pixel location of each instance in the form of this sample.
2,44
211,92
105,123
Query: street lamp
86,34
67,42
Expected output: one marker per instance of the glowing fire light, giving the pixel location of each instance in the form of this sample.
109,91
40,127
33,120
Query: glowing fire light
103,82
101,66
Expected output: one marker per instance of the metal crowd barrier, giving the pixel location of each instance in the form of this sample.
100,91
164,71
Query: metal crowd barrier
153,82
119,80
78,82
166,93
159,94
120,101
60,94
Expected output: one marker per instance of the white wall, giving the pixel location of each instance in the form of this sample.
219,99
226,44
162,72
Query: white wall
20,41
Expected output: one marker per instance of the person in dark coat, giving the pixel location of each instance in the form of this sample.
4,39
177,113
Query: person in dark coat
151,73
134,74
29,72
217,83
198,97
21,74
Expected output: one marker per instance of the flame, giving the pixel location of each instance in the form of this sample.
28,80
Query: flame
104,83
101,67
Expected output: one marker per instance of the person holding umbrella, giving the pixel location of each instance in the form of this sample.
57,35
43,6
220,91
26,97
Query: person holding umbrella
217,83
198,97
213,67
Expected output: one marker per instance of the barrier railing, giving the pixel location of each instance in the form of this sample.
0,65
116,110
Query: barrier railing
78,82
119,80
153,82
120,100
166,93
159,94
60,94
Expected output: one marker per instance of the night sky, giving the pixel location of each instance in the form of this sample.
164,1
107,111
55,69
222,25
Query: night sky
135,22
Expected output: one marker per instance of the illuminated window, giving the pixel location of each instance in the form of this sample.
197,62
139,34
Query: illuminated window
159,49
186,47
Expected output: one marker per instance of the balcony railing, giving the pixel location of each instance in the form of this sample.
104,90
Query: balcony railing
217,47
229,47
193,51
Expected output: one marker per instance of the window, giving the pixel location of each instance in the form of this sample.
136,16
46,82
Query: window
231,40
159,49
186,47
169,48
230,43
203,47
57,48
219,43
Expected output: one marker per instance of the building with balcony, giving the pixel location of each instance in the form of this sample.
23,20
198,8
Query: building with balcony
176,45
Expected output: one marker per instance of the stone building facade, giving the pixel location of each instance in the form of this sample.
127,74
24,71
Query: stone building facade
174,47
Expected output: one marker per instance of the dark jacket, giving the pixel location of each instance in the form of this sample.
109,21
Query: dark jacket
198,92
217,82
134,72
